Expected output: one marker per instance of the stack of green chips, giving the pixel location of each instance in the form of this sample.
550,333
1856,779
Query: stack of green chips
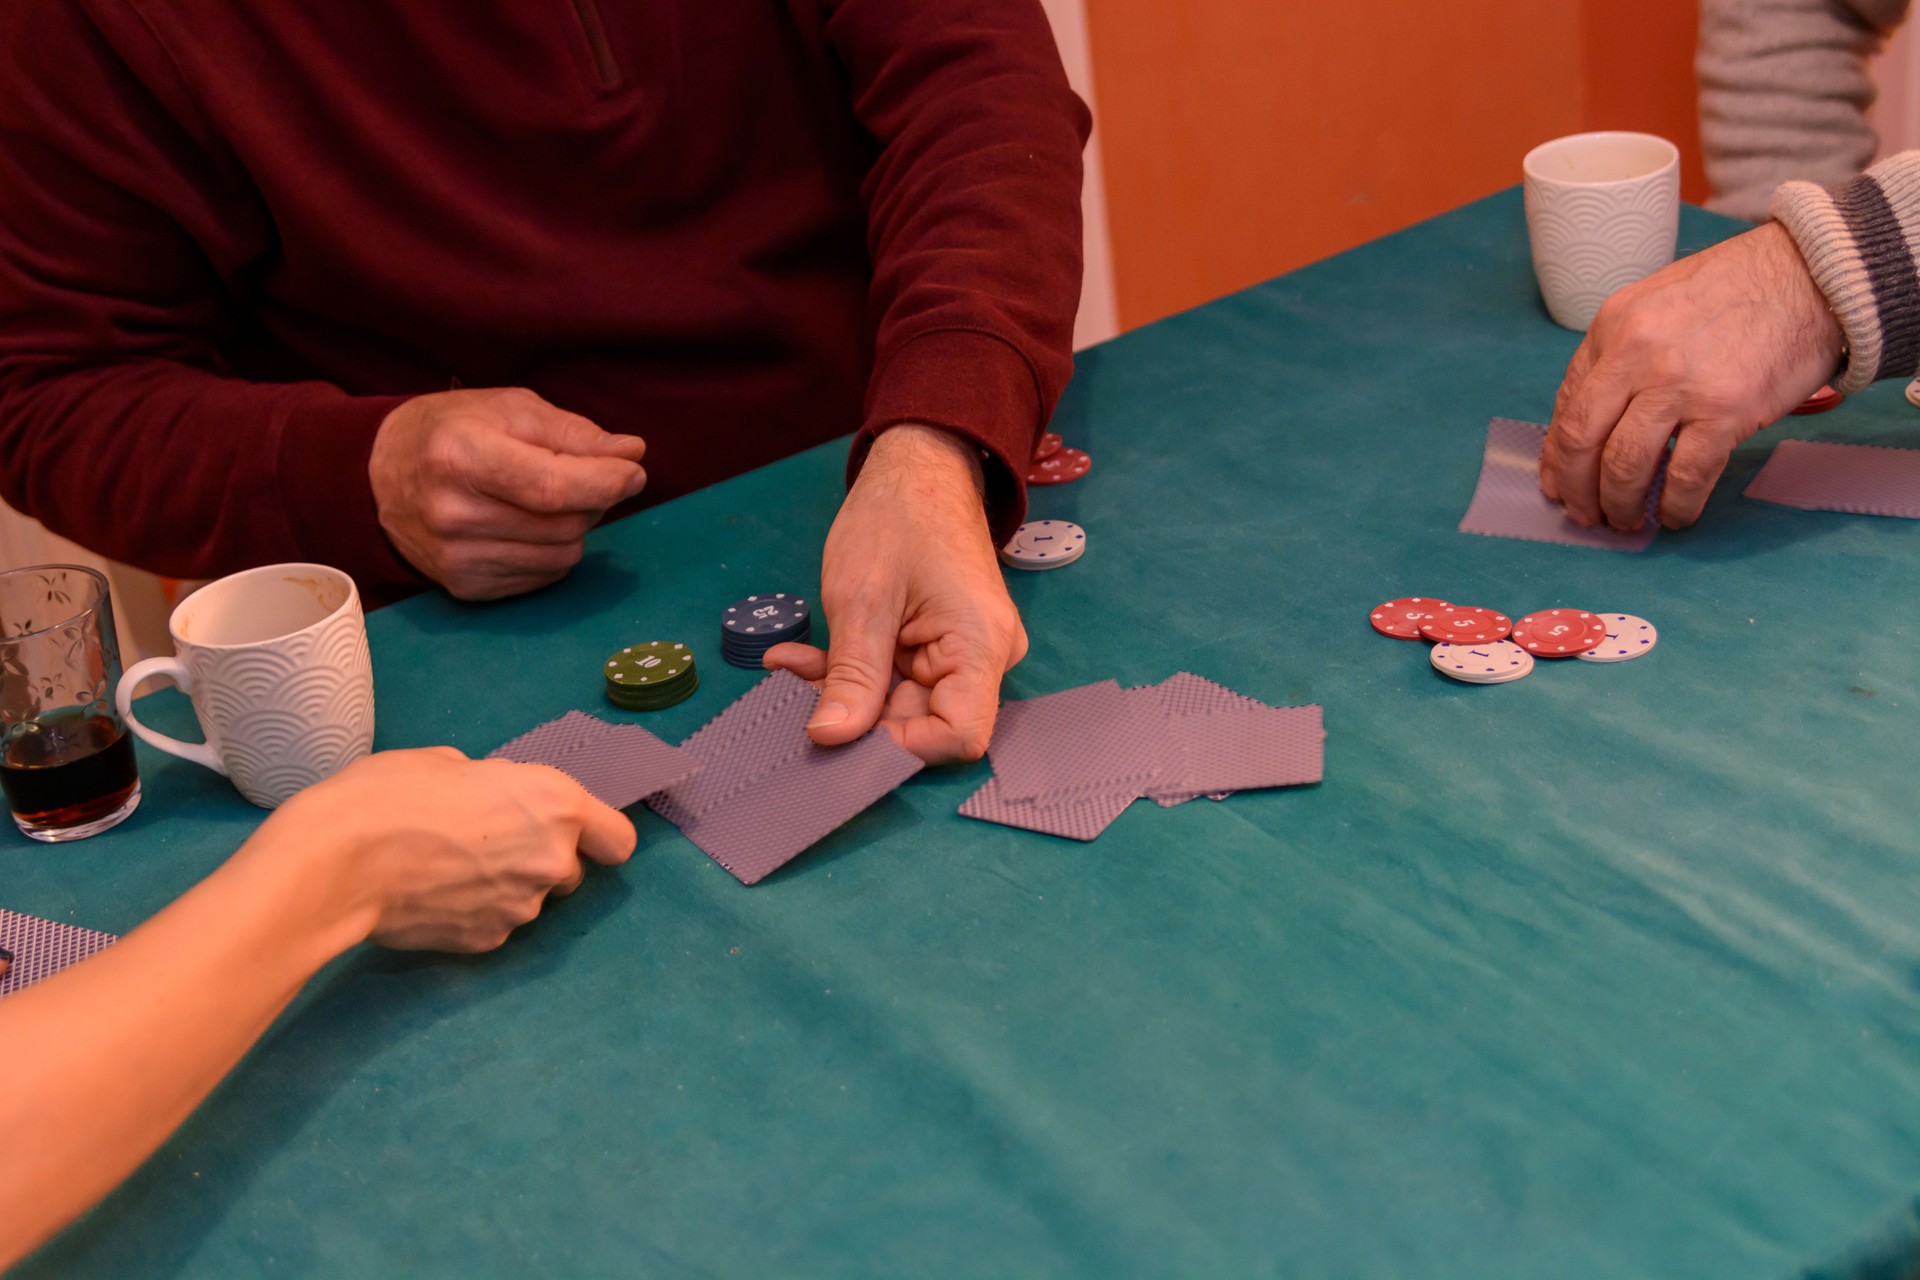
648,677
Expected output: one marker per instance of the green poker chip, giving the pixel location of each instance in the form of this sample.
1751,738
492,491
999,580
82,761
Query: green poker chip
647,677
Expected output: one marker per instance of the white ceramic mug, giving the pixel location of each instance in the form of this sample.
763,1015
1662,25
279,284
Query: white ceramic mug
1603,210
276,662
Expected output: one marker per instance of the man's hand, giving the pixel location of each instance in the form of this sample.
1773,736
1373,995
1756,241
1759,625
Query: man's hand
1713,348
489,493
910,583
428,850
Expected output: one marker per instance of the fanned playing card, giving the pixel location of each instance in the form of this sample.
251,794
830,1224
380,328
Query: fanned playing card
1078,758
766,792
1507,503
1082,818
619,764
41,948
1864,479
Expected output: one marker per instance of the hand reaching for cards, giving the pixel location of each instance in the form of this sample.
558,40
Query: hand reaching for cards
910,584
490,493
1706,353
433,851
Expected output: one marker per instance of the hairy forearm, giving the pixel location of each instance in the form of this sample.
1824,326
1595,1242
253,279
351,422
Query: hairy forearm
106,1059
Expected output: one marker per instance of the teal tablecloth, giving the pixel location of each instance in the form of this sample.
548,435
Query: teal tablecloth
1611,972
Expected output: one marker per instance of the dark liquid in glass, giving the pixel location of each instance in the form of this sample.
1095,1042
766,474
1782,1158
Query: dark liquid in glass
76,768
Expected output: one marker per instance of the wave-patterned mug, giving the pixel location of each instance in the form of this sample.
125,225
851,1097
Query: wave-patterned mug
1603,210
275,660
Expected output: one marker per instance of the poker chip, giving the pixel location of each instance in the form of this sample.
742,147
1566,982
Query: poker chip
750,627
1500,662
1627,637
1059,468
1559,633
1465,624
1401,618
1913,393
1050,444
1820,401
1045,544
647,677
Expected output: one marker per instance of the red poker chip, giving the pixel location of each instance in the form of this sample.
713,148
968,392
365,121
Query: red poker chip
1060,468
1559,633
1401,618
1050,444
1820,401
1464,624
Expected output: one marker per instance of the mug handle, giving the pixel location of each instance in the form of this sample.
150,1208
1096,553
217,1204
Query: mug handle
198,752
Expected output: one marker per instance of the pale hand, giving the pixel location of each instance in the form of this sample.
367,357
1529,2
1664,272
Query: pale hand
910,583
490,492
1706,353
428,850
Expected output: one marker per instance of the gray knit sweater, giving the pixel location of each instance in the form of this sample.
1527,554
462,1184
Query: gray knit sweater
1861,239
1783,93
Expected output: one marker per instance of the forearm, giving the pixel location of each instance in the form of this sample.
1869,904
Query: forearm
106,1059
1784,90
1858,243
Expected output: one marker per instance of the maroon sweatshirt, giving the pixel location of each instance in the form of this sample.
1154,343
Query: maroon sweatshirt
234,236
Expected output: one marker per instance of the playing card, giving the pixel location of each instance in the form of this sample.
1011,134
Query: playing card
1186,694
1507,503
619,764
797,803
1864,479
41,948
1241,749
766,791
1082,818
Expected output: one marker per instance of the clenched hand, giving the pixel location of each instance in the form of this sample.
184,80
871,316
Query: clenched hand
1705,353
490,493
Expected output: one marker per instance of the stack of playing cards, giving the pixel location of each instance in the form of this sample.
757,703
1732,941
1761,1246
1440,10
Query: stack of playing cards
1867,480
1069,763
1507,503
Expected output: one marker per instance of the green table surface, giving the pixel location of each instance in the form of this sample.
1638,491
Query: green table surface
1611,972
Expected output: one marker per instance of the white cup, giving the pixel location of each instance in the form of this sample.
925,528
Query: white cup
276,662
1603,210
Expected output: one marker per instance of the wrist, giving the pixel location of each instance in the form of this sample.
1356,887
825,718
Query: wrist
927,461
303,872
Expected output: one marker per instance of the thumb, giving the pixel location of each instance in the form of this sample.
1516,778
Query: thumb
549,427
859,671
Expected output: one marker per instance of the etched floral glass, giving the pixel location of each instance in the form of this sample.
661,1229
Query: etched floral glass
66,760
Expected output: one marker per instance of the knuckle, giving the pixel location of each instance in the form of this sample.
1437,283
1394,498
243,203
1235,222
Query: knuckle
1686,473
1622,465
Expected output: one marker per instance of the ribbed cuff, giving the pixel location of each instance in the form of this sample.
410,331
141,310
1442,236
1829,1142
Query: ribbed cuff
321,470
1861,240
971,383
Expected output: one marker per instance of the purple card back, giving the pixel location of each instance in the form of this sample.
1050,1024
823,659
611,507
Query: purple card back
619,764
1082,818
801,801
42,948
1186,694
1864,479
766,792
1507,503
1242,749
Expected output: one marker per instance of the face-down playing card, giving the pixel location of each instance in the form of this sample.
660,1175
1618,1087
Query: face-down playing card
1507,502
32,948
766,792
620,764
1863,479
1098,739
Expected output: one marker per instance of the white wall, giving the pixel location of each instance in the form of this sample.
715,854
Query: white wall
1099,317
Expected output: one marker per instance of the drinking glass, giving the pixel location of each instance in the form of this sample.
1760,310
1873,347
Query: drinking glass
66,759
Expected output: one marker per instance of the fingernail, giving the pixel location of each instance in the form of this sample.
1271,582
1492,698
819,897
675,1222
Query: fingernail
828,714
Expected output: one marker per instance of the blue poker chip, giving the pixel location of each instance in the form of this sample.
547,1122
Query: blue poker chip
773,619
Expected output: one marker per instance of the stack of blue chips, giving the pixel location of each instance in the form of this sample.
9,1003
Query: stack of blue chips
752,626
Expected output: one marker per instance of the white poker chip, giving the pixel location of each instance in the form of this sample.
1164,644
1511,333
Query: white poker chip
1045,544
1627,637
1500,662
